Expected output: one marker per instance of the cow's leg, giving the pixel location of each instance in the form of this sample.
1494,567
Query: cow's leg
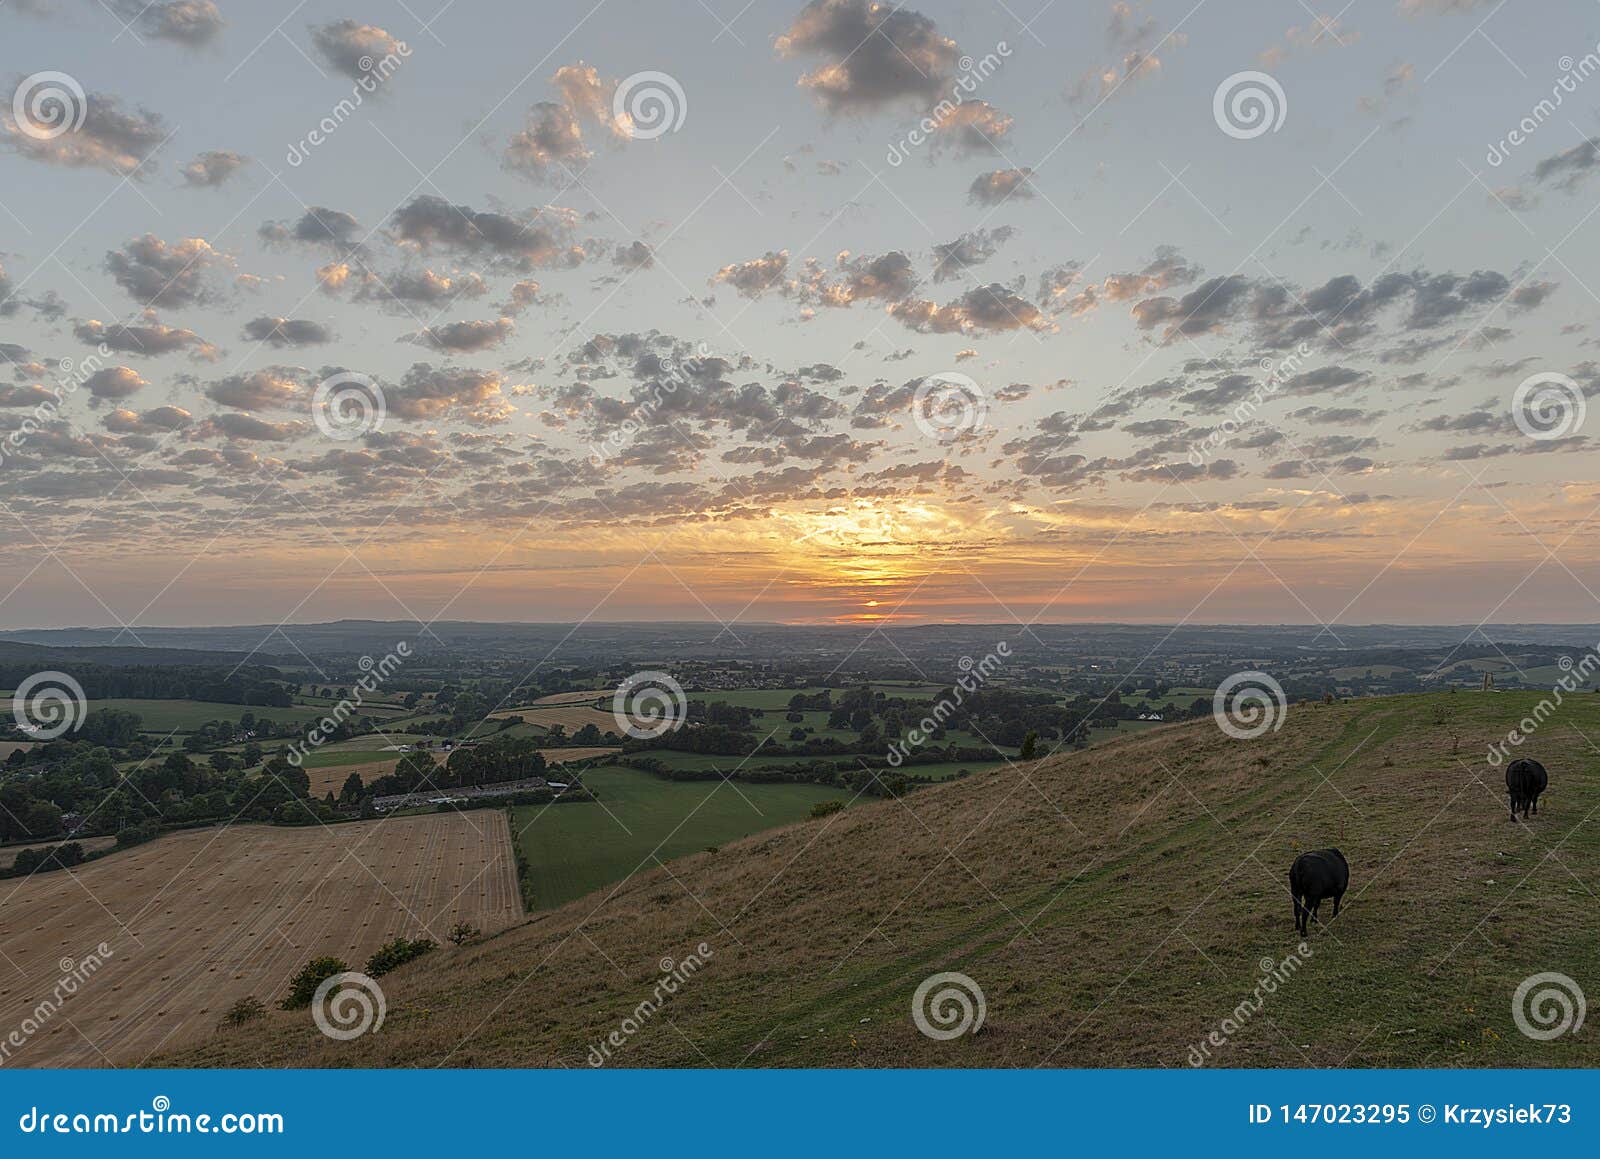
1513,808
1536,806
1337,898
1316,908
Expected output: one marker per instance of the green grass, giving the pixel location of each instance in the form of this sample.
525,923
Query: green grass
1549,675
679,760
330,758
573,849
188,715
768,698
1361,670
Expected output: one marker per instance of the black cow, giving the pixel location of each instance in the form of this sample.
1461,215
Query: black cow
1525,780
1314,876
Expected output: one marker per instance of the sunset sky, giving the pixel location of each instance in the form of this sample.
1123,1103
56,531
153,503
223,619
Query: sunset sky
836,312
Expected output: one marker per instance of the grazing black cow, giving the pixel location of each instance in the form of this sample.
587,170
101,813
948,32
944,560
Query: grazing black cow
1314,876
1525,780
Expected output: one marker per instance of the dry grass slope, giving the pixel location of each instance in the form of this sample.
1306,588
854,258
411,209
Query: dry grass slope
1114,905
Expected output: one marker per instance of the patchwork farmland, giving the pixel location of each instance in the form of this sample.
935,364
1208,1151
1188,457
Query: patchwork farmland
199,919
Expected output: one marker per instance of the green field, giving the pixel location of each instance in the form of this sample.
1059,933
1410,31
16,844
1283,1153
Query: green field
767,698
573,849
188,715
680,760
331,758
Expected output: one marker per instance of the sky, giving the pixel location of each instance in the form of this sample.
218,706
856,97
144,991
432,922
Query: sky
837,312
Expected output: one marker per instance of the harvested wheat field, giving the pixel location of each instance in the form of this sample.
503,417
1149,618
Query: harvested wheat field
572,717
592,696
563,756
197,920
331,778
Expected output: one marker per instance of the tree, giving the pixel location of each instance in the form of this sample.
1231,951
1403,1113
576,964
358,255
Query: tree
1030,744
463,932
303,986
243,1011
352,790
396,953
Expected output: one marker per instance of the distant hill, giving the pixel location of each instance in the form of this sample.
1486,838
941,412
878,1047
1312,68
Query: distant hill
13,651
1114,906
607,642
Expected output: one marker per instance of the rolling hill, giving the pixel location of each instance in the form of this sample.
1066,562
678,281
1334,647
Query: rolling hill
1114,906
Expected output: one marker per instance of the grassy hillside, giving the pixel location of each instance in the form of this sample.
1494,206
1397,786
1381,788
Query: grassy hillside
1114,905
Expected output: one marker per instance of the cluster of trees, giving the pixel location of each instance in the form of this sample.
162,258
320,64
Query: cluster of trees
259,686
493,762
42,860
214,733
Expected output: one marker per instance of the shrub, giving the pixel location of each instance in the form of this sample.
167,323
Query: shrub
823,808
396,953
244,1010
138,834
51,857
303,986
463,932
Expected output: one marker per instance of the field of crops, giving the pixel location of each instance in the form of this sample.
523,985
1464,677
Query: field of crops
199,919
571,716
640,819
